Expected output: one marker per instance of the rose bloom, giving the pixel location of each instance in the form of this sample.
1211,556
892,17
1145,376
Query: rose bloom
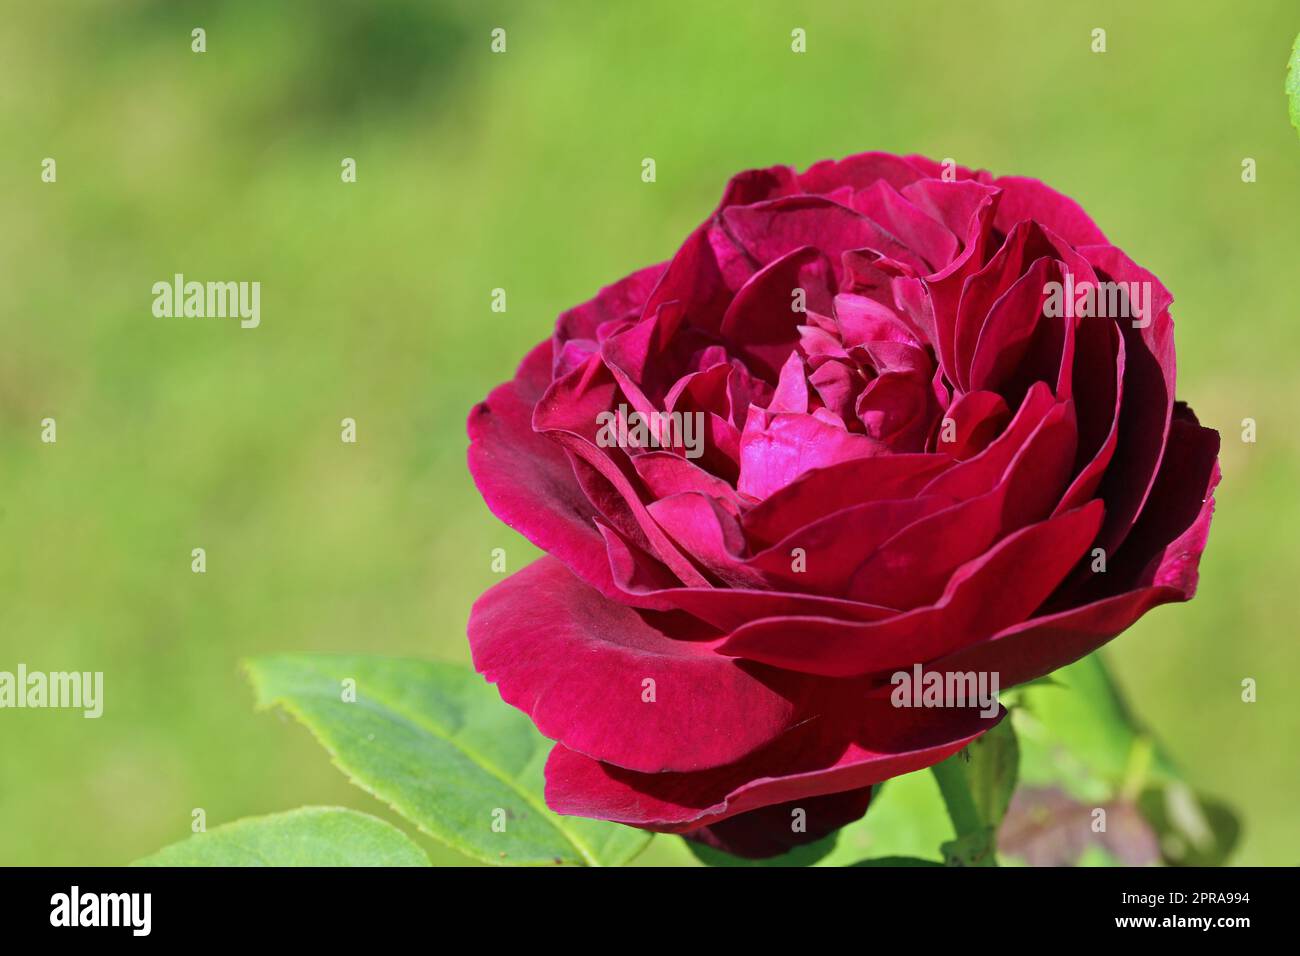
931,432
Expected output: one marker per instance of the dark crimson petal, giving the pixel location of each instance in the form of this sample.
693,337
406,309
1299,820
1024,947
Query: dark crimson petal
978,418
770,230
761,321
1024,198
1148,398
567,412
859,172
1007,330
772,830
1099,376
859,744
576,663
622,300
1165,547
912,567
1026,243
986,595
550,509
975,476
835,546
694,279
644,583
898,410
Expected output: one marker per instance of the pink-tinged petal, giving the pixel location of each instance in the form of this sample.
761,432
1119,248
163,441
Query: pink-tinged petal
710,534
762,321
965,207
776,449
549,509
1024,198
821,492
577,664
791,393
665,473
931,240
837,386
768,831
993,591
860,320
857,745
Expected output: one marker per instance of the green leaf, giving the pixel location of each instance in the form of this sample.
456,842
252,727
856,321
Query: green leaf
1293,84
309,836
906,819
977,784
992,771
436,743
1193,830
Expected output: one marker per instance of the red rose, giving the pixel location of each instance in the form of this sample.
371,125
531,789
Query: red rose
877,414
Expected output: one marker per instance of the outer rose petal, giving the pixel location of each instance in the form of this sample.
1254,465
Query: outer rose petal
984,596
1024,198
1170,543
576,663
857,744
549,509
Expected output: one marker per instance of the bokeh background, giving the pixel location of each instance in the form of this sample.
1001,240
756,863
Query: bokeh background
522,171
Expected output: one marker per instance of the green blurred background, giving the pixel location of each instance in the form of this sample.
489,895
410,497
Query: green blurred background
522,171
